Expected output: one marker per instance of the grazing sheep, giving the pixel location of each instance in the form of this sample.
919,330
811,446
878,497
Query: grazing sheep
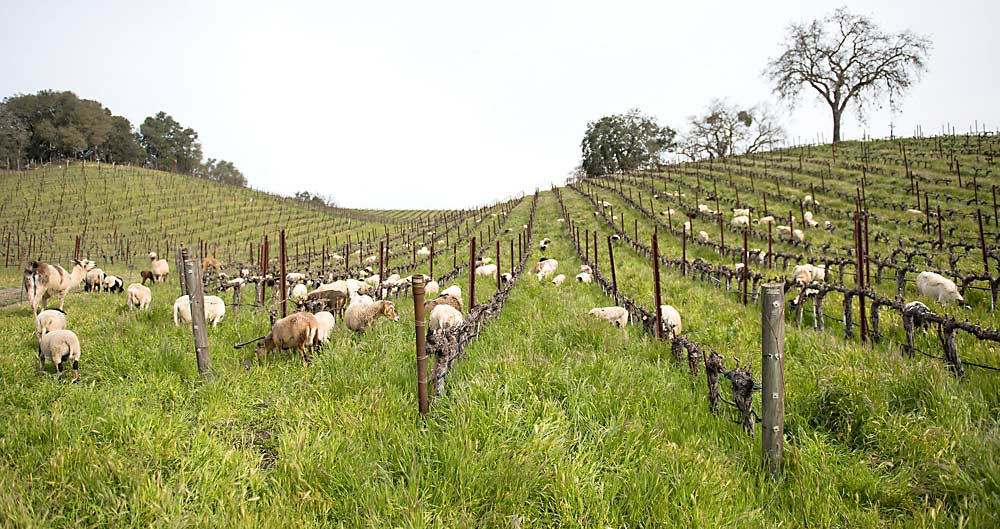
766,220
584,277
828,226
616,316
113,284
147,275
669,212
326,300
292,278
915,213
741,221
431,287
443,299
506,277
798,235
298,294
371,259
687,226
808,273
737,212
58,346
938,288
586,268
362,313
484,261
454,290
245,273
48,321
702,208
423,251
703,236
93,280
373,280
558,280
560,219
138,296
43,280
487,270
544,268
297,331
215,309
444,317
615,237
783,231
211,262
671,320
326,323
159,267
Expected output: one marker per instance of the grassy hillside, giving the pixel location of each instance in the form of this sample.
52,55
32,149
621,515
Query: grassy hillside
551,419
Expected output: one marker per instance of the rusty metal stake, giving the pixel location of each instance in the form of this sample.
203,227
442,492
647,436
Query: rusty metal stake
419,325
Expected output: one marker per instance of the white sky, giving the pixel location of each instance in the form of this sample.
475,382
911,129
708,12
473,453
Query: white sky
450,104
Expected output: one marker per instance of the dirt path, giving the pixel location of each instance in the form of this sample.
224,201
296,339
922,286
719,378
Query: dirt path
10,296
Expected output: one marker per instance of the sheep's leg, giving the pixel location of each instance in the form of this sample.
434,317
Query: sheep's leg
302,350
59,369
41,359
76,371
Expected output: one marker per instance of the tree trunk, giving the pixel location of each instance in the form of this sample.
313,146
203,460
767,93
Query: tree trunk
836,124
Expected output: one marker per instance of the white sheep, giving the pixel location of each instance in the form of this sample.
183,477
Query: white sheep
671,320
506,277
292,278
828,226
560,219
586,268
703,236
487,270
766,220
326,323
741,221
584,277
915,213
431,287
113,284
783,231
159,267
423,251
938,288
616,316
444,317
215,309
454,291
702,208
737,212
93,280
798,235
298,293
363,311
809,273
58,346
544,268
138,296
48,321
558,280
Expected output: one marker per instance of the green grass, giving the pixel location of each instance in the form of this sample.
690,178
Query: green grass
552,419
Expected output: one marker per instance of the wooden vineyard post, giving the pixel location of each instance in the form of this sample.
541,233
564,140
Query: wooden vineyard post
421,336
182,279
773,376
381,268
859,271
472,273
196,299
511,258
684,249
746,263
940,236
982,241
595,251
656,286
614,277
431,272
770,244
283,295
498,265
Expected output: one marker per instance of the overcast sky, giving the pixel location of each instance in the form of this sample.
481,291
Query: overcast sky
450,104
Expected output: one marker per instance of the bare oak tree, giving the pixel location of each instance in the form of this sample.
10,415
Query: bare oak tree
847,58
725,130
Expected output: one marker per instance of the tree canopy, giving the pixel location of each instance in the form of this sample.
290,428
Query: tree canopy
847,59
624,142
170,146
724,130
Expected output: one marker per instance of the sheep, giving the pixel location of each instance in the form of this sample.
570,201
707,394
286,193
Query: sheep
113,284
454,290
687,226
215,309
702,208
741,221
798,235
828,226
558,280
783,231
298,293
431,287
738,212
584,277
915,213
808,199
545,267
615,237
616,316
245,273
159,267
42,280
373,280
487,270
670,318
938,288
506,277
560,220
58,346
147,275
361,315
444,299
138,296
423,251
444,317
326,300
93,280
484,261
586,268
326,323
703,236
766,220
292,278
48,321
297,331
211,262
808,273
371,259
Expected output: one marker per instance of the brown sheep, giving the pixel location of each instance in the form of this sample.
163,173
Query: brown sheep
297,331
444,299
147,276
211,262
333,301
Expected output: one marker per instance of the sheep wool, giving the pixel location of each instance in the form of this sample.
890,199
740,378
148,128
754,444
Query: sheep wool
58,346
444,317
558,280
326,323
215,309
938,288
361,314
616,316
138,296
48,321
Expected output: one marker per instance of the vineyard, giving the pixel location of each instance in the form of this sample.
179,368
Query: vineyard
541,415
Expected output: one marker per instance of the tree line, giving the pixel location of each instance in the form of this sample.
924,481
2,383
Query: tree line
844,57
50,125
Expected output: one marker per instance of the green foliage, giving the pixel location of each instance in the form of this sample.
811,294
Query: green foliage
223,172
623,143
170,146
315,199
13,137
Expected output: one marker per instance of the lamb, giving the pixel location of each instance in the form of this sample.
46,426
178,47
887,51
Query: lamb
362,313
326,323
298,331
444,317
93,280
113,284
506,277
616,316
58,346
487,270
558,280
138,296
48,321
431,287
586,268
43,280
938,288
808,273
215,309
326,300
444,299
703,236
147,275
584,277
159,267
670,318
544,268
741,221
